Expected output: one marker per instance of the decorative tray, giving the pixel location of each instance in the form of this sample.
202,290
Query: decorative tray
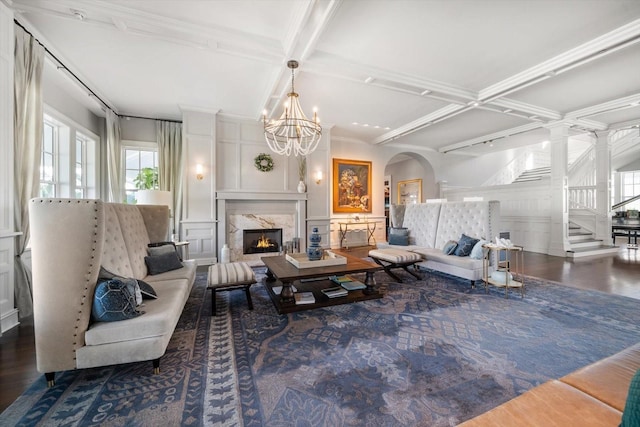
300,260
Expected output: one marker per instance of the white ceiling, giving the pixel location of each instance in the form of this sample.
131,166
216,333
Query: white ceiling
410,70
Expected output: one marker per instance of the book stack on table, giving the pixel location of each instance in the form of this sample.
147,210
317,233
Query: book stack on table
304,298
348,283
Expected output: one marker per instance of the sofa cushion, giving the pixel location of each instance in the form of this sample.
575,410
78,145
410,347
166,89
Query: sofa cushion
550,404
450,247
159,318
608,379
465,245
114,300
162,263
457,261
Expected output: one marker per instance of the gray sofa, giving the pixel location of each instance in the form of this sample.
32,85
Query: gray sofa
71,240
431,225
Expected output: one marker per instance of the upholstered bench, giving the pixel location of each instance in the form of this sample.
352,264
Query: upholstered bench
230,276
395,258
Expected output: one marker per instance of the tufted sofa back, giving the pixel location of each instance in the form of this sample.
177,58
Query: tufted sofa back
422,221
125,241
475,219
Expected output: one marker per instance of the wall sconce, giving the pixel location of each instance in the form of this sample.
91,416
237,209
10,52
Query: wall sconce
199,172
318,177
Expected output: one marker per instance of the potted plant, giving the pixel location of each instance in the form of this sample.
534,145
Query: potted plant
147,179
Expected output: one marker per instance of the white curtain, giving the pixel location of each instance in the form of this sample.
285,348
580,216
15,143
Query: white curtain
114,190
28,123
169,138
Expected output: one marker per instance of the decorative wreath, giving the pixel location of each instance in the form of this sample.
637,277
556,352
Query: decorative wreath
263,162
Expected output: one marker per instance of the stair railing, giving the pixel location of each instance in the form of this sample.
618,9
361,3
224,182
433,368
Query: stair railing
625,202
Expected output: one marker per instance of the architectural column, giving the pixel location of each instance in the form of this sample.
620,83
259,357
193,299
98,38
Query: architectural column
603,188
559,188
198,224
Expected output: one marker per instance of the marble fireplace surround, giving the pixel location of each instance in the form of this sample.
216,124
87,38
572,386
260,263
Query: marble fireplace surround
238,211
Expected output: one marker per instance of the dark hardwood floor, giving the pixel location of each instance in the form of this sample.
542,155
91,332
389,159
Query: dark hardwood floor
619,274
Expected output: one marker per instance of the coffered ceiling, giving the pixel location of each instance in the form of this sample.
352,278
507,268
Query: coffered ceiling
446,75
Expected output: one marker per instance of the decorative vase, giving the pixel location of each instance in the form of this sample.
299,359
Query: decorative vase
301,187
224,256
314,251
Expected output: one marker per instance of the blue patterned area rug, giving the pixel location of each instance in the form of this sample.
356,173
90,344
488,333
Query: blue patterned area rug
432,352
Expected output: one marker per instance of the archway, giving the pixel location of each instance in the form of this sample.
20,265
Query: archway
408,166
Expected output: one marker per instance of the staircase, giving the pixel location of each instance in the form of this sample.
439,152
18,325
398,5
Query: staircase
583,243
533,175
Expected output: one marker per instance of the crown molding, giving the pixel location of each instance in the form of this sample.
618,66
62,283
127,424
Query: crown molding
422,122
605,107
608,43
489,137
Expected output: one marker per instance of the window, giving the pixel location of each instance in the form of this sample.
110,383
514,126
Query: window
631,188
47,159
68,163
139,161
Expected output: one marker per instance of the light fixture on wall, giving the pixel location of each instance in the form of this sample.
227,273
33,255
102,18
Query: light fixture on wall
199,172
318,177
292,132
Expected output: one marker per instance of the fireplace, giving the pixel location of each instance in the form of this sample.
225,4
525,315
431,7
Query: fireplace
261,240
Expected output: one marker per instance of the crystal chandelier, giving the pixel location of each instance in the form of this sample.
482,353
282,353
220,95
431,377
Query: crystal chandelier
292,132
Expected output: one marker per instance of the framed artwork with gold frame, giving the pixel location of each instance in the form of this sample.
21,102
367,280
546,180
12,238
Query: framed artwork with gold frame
351,186
409,191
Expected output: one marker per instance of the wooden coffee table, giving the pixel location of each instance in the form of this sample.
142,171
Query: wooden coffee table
281,272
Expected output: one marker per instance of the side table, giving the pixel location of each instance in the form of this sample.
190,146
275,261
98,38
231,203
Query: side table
183,247
512,266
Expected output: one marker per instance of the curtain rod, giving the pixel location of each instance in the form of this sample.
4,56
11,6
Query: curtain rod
91,92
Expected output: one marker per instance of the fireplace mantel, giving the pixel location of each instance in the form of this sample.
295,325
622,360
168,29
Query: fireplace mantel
260,195
256,209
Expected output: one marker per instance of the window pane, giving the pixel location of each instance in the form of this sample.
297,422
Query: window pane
47,163
131,175
46,190
147,159
79,193
132,159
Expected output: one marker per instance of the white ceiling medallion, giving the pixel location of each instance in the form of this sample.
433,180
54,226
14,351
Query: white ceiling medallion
292,132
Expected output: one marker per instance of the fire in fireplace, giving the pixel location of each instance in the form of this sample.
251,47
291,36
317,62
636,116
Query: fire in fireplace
261,240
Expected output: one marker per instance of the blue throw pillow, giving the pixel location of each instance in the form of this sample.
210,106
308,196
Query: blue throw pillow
465,245
113,300
399,231
477,251
631,413
449,247
396,239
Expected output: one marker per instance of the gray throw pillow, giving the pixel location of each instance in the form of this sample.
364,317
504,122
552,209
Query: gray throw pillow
162,263
449,247
160,248
147,290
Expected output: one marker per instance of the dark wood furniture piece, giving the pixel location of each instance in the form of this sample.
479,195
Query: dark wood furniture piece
281,272
628,228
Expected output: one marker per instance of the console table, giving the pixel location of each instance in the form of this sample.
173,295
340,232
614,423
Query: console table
368,226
